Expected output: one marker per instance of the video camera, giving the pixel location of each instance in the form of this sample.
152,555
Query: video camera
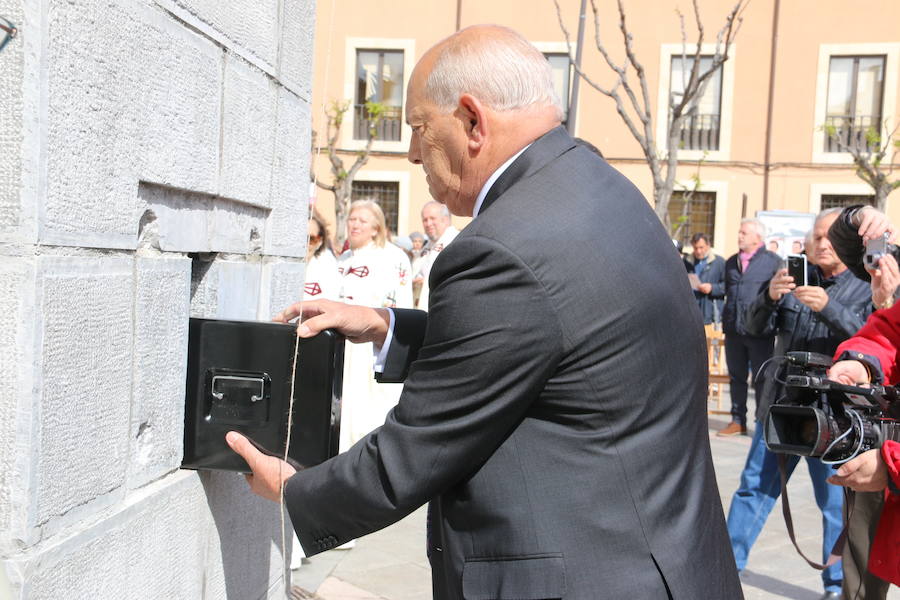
828,420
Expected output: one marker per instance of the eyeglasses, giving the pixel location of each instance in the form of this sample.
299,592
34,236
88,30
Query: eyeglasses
7,32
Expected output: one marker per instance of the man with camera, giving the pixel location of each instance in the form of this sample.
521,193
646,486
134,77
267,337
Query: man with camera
870,356
813,318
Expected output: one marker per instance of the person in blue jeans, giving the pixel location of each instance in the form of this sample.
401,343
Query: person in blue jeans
813,318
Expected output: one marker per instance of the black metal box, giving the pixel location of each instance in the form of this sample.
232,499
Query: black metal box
239,379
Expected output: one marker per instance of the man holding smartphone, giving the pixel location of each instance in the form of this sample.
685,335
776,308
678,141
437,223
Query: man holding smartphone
812,318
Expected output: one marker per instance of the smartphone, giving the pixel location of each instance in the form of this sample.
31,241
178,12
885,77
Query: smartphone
796,266
875,249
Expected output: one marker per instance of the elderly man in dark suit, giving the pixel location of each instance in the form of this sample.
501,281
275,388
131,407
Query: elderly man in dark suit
554,408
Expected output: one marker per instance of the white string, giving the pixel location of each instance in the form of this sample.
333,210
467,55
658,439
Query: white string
290,419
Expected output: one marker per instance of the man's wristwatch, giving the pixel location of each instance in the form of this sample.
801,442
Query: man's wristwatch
886,304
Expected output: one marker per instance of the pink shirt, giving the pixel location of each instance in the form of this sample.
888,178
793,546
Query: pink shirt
745,258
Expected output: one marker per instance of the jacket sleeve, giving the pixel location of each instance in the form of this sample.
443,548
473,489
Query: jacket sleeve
878,338
847,244
491,343
842,320
718,279
406,339
759,320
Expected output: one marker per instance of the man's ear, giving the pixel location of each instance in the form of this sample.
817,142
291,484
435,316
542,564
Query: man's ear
474,116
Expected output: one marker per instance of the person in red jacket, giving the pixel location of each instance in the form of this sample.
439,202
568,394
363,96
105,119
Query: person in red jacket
871,356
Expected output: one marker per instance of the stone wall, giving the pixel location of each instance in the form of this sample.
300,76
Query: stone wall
153,166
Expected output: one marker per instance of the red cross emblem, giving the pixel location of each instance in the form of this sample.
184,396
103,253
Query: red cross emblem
362,271
312,288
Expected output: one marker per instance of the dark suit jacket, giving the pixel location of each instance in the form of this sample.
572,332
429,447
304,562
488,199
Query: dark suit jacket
554,410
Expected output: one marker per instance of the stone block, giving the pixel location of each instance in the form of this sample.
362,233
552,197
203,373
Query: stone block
244,544
152,546
282,285
82,416
12,104
162,309
248,133
16,339
250,27
286,224
225,289
297,34
149,110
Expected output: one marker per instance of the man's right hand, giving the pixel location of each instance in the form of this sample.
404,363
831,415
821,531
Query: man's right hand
359,324
780,284
872,223
849,372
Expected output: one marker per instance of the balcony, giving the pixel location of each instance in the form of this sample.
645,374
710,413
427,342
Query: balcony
700,132
843,132
388,128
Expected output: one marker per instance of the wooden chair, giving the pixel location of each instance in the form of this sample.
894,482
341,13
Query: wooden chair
718,371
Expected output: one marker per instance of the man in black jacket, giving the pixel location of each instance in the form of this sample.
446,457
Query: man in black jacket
813,318
747,274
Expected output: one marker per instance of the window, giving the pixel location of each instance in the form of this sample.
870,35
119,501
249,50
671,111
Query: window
853,105
562,79
699,131
695,212
385,193
379,78
845,200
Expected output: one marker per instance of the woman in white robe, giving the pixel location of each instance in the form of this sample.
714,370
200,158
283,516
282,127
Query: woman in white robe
322,278
373,273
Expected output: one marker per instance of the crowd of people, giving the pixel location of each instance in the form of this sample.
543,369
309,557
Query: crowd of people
766,314
553,464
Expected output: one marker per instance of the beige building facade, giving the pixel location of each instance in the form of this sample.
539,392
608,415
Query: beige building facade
831,65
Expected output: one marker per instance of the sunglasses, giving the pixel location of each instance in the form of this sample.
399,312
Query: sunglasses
8,30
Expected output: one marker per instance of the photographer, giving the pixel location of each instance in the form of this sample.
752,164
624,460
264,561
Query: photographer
870,357
803,318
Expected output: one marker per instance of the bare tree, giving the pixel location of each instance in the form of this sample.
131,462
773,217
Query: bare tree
635,96
868,148
342,178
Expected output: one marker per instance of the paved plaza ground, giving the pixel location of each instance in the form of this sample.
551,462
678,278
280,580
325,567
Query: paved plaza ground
391,564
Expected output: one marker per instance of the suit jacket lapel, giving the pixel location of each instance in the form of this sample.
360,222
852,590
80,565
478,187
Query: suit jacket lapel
543,150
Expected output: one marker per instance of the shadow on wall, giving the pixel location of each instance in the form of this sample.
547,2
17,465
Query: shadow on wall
249,541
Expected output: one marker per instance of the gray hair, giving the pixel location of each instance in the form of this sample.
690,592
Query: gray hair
828,211
444,211
760,227
505,72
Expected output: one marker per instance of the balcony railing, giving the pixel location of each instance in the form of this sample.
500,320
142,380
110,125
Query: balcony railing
700,132
388,128
842,132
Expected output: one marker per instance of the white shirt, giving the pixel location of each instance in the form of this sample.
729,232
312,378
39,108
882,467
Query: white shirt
322,279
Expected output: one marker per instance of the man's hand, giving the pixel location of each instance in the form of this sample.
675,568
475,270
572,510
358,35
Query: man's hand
780,284
704,288
268,472
872,223
812,296
849,372
865,473
359,324
885,280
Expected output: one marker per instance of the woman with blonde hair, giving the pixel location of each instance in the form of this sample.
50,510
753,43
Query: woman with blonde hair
373,273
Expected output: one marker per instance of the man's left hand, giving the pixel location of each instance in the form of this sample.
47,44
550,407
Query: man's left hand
865,473
268,472
812,296
704,288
